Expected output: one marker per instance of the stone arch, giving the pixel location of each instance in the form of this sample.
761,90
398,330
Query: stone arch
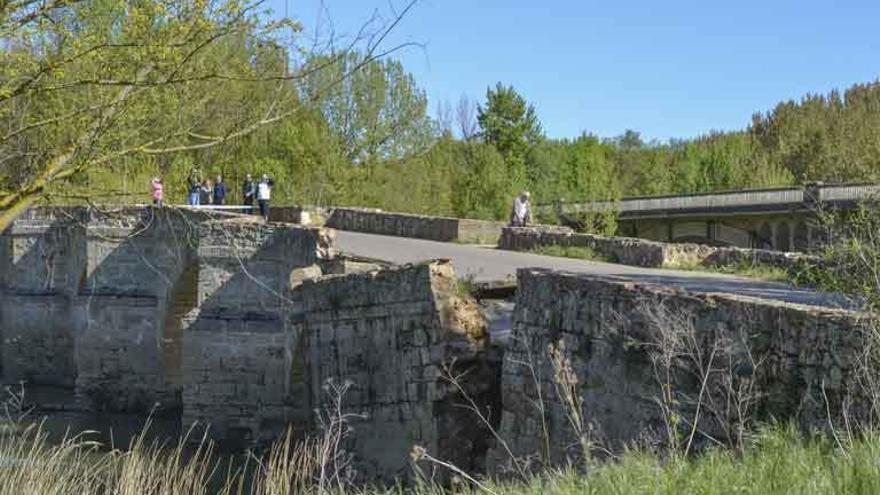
764,236
783,237
801,236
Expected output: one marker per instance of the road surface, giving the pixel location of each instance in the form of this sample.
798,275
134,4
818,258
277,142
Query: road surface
486,264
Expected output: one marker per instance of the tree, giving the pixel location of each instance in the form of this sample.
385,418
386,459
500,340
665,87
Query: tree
511,125
483,188
629,140
465,116
377,113
829,137
90,86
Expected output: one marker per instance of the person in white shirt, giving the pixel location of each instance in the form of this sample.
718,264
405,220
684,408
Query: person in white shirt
264,194
521,213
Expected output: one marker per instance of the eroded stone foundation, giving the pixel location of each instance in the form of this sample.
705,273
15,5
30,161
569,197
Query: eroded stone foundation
387,338
800,361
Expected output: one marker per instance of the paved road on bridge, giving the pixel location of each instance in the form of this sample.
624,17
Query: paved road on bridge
486,264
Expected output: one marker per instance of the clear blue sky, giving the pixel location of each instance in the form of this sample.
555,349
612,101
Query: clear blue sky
671,69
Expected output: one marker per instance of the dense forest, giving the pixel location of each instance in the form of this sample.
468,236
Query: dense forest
346,127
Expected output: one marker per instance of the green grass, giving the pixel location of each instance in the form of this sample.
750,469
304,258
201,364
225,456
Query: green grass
576,252
748,270
466,286
778,462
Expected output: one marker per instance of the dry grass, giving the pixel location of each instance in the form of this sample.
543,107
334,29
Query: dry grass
778,460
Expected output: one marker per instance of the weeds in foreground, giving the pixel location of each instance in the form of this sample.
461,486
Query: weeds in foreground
777,460
466,286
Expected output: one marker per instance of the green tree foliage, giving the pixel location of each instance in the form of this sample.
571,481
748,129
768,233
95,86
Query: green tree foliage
97,96
829,137
113,86
511,125
453,178
582,169
716,161
376,112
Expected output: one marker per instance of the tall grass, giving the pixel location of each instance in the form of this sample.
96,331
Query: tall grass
776,461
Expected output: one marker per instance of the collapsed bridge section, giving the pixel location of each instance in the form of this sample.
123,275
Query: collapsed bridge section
250,328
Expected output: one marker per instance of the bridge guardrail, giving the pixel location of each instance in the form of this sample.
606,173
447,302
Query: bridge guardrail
708,202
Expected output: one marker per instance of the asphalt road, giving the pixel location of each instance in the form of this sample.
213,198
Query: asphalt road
486,264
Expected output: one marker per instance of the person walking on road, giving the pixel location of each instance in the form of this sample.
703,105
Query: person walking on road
219,191
264,194
158,192
249,191
521,213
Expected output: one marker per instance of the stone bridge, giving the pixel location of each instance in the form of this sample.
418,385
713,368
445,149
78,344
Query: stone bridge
248,327
779,218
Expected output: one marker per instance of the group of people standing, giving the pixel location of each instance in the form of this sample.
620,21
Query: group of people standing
206,192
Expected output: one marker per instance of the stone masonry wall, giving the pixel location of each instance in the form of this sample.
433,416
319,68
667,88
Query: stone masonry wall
640,252
85,299
396,224
237,350
800,360
134,262
417,226
42,257
387,335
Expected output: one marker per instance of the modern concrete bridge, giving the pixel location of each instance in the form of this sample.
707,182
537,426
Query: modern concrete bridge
776,218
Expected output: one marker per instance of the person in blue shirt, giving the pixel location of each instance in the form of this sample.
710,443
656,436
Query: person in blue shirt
219,191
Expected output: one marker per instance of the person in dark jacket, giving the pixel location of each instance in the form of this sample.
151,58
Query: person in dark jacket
219,191
249,191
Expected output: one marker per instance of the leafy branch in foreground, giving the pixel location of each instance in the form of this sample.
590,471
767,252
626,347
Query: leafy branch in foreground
86,85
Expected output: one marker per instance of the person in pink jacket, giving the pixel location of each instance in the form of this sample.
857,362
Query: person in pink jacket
158,192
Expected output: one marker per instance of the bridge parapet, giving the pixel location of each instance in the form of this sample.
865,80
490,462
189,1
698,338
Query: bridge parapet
782,219
746,201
